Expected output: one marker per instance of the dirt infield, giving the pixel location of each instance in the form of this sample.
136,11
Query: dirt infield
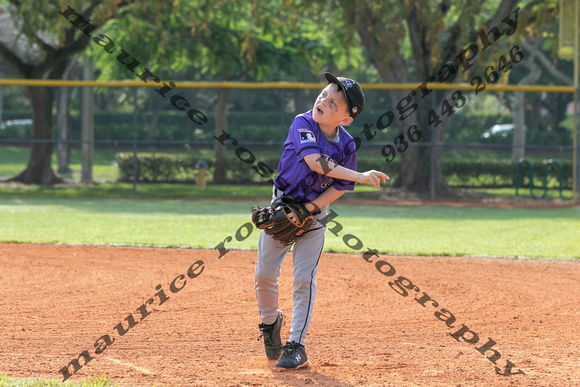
58,301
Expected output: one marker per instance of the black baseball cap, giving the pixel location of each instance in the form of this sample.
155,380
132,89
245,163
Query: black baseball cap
355,99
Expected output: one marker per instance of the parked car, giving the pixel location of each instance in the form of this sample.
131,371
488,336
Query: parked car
499,131
15,128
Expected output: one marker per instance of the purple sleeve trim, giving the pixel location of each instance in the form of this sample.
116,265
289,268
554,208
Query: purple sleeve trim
307,148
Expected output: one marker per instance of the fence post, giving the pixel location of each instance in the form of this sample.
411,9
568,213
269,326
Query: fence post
135,144
87,125
432,180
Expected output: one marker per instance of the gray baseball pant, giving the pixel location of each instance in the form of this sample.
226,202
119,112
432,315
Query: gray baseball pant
305,255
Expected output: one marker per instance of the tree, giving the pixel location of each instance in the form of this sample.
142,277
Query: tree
550,72
544,112
245,40
222,40
51,40
519,139
416,41
63,119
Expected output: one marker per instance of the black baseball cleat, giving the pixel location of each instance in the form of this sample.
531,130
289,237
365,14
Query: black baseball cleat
272,339
294,357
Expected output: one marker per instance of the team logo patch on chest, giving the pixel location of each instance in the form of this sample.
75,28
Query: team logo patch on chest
306,136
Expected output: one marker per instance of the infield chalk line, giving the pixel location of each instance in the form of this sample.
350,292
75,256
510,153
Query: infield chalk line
140,369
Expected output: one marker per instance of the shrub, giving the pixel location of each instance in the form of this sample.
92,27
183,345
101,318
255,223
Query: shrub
501,173
165,167
156,167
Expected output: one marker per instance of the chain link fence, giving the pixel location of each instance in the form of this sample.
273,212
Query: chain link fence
477,146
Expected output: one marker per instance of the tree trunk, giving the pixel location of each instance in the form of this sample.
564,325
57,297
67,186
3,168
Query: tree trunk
302,100
221,125
63,128
392,69
414,172
441,183
410,158
52,66
381,38
63,121
39,169
519,139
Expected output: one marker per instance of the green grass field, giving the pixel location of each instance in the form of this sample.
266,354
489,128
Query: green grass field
226,191
14,160
5,381
519,232
125,190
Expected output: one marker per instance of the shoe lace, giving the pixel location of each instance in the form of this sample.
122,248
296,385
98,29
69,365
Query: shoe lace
289,348
267,335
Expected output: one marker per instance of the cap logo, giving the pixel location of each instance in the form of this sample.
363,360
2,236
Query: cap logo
348,83
354,109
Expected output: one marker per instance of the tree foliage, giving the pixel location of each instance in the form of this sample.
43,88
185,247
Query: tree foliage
224,40
416,41
401,41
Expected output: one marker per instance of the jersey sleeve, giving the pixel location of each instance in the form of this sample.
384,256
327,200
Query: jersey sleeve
303,137
349,162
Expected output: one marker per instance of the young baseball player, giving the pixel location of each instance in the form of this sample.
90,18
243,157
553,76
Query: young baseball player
317,166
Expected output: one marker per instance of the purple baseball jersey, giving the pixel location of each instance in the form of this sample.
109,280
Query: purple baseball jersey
305,137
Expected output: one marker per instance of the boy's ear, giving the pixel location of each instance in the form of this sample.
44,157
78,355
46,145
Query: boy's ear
346,121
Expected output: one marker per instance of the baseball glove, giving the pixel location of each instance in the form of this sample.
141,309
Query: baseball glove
285,220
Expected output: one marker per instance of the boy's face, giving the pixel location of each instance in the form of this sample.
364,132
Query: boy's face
330,108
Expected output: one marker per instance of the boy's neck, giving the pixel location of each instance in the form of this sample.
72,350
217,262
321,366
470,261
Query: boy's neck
329,132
